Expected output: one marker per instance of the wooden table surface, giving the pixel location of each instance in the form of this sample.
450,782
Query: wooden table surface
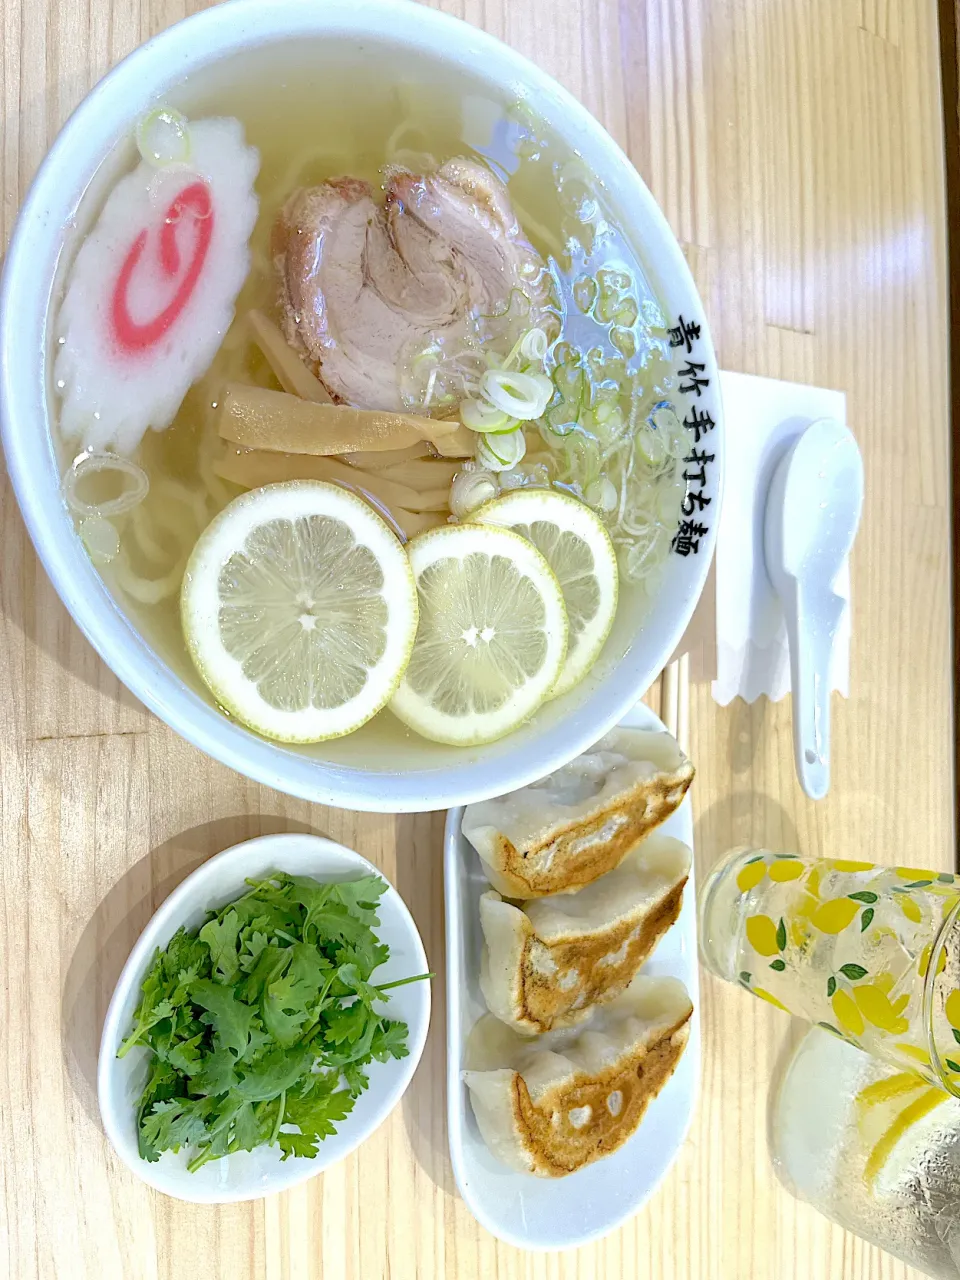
796,148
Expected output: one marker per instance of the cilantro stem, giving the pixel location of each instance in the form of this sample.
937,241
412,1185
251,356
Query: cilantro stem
279,1120
206,1154
311,1030
402,982
130,1041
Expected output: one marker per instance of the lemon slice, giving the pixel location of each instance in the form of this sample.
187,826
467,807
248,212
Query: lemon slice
299,610
492,635
911,1114
578,549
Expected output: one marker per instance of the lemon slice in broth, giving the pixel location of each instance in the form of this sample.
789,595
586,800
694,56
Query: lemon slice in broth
576,545
299,610
492,636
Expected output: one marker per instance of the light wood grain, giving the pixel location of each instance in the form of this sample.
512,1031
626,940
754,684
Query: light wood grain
796,147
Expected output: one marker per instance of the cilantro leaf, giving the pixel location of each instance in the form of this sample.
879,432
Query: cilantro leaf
221,937
361,896
389,1041
349,976
175,1123
335,922
355,1078
217,1074
297,1144
254,941
231,1020
184,1056
185,952
366,953
345,1024
274,1073
316,1114
270,963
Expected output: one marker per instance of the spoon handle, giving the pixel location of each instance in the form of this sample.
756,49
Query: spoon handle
811,629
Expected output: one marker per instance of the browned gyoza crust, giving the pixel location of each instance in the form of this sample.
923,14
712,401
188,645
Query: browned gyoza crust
555,1146
547,1001
589,847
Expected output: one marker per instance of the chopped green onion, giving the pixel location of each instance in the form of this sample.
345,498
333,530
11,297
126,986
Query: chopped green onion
100,538
471,489
601,494
533,345
502,451
521,395
480,415
163,138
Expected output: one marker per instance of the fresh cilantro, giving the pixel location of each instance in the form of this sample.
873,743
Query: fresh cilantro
261,1023
221,937
389,1041
230,1019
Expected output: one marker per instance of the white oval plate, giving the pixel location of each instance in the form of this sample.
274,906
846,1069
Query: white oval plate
561,1213
248,1175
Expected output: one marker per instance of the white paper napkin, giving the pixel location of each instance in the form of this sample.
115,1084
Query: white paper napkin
761,418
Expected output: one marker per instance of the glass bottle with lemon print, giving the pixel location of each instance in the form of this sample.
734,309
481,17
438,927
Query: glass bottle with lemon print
870,953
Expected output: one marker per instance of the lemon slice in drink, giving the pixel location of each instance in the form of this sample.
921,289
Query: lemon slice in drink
492,635
578,549
299,610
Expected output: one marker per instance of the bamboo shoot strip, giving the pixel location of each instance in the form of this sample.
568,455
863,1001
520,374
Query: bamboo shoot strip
461,443
371,461
289,370
422,474
414,522
251,468
262,419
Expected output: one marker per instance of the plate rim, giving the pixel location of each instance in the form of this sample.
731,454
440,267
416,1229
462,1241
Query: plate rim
452,852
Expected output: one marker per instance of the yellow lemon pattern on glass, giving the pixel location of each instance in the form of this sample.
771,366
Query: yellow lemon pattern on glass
923,964
875,1006
885,982
915,1052
788,869
847,1014
910,908
835,915
765,995
789,930
799,932
750,876
762,935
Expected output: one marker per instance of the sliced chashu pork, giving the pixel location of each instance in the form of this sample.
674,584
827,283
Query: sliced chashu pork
359,282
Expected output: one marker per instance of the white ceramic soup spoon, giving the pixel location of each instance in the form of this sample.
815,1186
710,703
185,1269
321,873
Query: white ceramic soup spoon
812,514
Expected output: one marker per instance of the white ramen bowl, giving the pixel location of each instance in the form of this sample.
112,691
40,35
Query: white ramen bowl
384,769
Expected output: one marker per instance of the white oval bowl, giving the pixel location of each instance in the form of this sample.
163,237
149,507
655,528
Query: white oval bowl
562,1213
249,1175
347,773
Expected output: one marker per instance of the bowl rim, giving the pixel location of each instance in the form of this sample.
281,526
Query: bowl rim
80,147
168,917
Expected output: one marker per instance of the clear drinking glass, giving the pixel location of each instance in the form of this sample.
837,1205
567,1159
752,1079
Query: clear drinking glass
870,953
875,1150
